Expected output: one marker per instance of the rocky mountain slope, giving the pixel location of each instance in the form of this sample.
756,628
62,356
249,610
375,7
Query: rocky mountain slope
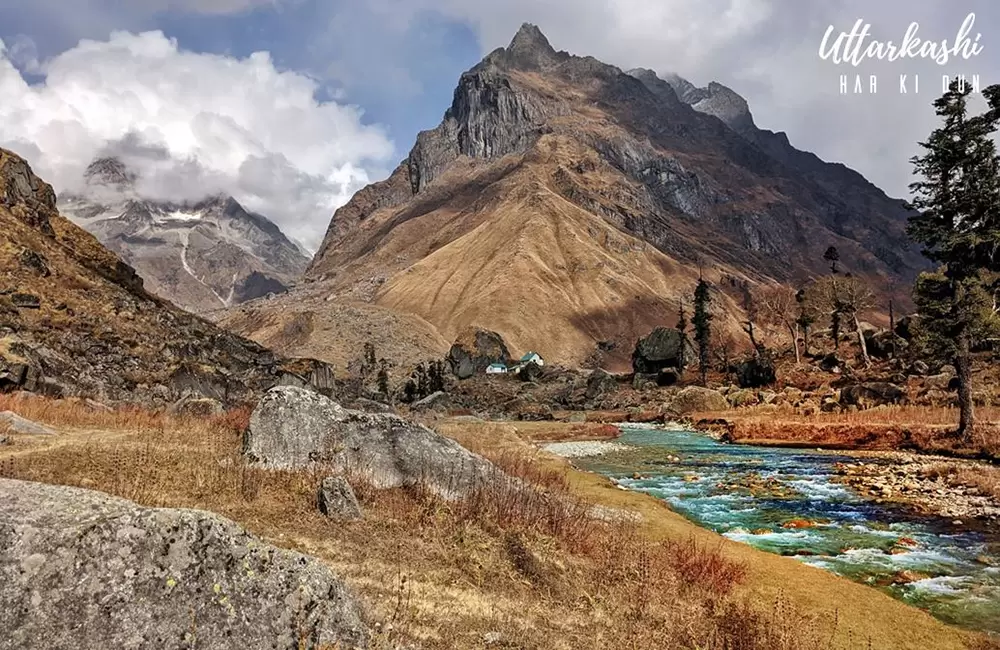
76,320
570,205
200,256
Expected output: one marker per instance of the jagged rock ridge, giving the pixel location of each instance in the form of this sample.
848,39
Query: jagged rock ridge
201,256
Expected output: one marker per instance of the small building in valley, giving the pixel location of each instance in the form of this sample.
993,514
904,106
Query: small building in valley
496,369
532,357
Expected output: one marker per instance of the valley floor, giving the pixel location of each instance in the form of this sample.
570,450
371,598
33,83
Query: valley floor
619,569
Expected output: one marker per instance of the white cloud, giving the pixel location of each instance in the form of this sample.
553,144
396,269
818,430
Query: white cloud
194,123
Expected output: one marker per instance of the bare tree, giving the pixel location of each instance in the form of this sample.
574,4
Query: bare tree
845,297
778,307
751,309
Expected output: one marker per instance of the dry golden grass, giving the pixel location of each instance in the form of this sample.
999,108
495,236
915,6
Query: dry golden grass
921,428
984,478
526,569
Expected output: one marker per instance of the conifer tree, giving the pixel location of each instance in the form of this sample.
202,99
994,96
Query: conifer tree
957,200
703,327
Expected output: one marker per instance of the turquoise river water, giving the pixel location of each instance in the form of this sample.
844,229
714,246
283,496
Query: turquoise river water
758,495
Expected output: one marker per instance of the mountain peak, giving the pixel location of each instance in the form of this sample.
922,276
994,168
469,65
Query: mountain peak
727,105
530,48
109,172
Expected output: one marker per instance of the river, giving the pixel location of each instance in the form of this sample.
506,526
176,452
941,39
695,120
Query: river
787,501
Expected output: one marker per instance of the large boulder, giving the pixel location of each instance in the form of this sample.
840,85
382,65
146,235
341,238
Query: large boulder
756,372
292,427
17,424
475,350
871,394
600,383
695,399
81,570
665,347
884,344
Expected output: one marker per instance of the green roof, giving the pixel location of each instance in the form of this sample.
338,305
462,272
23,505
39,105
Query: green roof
528,356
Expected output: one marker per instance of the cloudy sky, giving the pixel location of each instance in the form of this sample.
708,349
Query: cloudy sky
292,105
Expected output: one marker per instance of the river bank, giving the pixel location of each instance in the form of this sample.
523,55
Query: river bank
796,503
912,457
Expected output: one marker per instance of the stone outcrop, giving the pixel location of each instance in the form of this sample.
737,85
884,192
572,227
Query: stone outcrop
695,399
17,424
475,350
28,197
665,347
292,427
336,499
871,394
82,570
600,383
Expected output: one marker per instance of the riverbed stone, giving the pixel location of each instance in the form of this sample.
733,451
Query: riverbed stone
695,399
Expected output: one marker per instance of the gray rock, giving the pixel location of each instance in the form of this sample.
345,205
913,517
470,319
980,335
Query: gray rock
82,570
370,405
872,394
26,301
18,424
697,399
600,383
940,381
198,407
292,427
475,350
336,499
665,347
432,400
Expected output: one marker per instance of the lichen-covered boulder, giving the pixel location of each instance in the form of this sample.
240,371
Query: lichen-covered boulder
81,570
695,399
292,427
336,499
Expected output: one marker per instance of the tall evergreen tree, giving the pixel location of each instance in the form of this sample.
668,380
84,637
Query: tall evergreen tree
703,327
958,221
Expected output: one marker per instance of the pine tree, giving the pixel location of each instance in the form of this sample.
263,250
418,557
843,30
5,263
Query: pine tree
832,255
703,327
958,222
682,323
383,380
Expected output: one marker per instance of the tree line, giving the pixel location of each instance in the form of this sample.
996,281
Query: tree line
955,218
